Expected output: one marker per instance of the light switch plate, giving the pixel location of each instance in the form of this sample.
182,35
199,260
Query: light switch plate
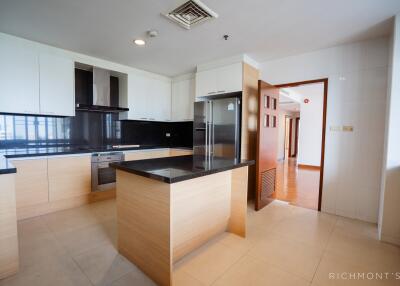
347,128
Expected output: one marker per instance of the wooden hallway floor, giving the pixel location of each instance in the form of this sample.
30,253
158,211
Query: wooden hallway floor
298,186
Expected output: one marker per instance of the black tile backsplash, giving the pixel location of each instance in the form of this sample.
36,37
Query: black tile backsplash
155,133
90,129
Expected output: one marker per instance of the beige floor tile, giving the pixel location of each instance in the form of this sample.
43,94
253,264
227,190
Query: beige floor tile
134,278
251,271
105,210
82,239
359,228
181,278
310,227
360,249
103,265
72,219
289,255
336,269
54,271
36,243
209,262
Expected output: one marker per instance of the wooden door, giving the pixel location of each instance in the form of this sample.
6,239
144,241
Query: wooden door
267,143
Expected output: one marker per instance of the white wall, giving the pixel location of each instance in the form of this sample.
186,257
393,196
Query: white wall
310,129
389,219
353,160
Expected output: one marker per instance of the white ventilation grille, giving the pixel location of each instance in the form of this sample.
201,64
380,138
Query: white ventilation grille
191,13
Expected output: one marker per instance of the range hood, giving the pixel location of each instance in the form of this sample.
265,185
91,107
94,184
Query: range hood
103,95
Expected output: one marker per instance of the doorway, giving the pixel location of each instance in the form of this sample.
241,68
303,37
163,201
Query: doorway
300,161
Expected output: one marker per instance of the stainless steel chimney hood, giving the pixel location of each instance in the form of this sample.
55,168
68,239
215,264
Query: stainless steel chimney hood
101,100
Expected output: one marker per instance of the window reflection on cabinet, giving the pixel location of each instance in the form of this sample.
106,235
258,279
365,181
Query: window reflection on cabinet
274,122
275,101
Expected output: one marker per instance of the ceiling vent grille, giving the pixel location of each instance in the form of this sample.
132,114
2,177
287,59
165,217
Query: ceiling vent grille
191,13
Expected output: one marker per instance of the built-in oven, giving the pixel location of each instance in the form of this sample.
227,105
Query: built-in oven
103,176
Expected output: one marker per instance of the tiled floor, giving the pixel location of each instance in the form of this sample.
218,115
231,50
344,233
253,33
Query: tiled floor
298,186
286,245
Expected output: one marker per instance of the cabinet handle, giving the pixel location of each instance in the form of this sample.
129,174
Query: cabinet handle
188,119
212,92
151,119
219,91
144,118
28,111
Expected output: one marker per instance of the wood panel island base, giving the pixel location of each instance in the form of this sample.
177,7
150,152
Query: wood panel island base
168,207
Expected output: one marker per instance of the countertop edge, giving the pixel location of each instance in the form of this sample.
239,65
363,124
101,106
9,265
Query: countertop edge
82,152
183,177
6,167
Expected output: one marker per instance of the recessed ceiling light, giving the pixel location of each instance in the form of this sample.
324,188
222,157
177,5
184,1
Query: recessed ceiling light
139,42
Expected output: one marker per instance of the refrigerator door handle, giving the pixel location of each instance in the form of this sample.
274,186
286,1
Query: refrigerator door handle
212,132
207,131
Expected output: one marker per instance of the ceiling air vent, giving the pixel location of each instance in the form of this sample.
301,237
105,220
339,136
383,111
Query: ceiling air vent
191,13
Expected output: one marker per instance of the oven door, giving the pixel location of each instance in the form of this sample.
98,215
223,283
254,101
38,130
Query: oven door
103,176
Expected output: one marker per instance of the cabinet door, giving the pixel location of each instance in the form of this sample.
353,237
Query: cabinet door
57,92
131,156
19,77
183,100
206,83
69,177
137,92
31,185
230,78
159,100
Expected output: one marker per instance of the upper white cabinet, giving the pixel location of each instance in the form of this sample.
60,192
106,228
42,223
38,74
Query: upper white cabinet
148,98
57,92
183,93
219,80
159,100
32,83
19,78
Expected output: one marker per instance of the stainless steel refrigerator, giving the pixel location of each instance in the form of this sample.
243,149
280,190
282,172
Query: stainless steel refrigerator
216,127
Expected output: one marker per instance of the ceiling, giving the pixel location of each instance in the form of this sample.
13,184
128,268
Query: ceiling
264,29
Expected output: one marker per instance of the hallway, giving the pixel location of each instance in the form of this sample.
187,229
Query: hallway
298,186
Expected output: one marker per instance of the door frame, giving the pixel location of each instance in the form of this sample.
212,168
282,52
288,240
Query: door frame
325,82
296,137
290,154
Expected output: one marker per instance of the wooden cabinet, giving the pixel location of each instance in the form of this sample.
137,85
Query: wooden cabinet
69,177
148,98
31,185
180,152
183,93
219,80
141,155
19,77
57,96
8,227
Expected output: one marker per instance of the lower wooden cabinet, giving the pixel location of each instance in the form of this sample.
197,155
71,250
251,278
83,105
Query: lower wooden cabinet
45,185
31,184
180,152
69,177
8,227
141,155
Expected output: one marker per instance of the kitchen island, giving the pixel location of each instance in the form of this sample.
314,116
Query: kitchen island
167,207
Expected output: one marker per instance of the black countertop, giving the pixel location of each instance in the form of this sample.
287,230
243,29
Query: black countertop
51,151
181,168
6,167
